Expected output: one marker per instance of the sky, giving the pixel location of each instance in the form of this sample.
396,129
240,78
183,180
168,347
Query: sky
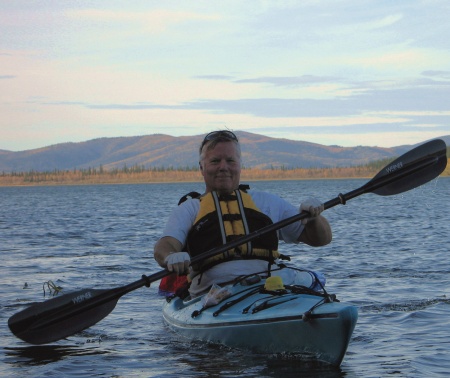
333,72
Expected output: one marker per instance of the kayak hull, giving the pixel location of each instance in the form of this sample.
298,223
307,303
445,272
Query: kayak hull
304,324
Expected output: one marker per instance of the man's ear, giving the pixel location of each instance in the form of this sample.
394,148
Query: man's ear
200,165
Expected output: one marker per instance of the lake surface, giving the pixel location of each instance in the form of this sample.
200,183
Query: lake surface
389,256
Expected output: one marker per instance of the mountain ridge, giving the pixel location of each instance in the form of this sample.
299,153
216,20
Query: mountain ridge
161,150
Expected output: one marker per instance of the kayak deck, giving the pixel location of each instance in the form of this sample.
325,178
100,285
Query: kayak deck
294,320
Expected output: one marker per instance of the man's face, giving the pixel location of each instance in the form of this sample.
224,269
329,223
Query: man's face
221,168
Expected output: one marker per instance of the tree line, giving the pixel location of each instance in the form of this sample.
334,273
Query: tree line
141,174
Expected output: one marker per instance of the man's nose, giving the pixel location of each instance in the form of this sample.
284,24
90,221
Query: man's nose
223,164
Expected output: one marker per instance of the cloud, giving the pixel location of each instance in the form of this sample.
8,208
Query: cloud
214,77
404,101
402,98
289,80
436,73
383,22
151,21
130,106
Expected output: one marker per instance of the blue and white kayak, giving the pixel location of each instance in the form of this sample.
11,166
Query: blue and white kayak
293,320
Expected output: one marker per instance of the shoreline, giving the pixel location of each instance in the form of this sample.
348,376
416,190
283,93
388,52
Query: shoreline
131,182
93,177
168,182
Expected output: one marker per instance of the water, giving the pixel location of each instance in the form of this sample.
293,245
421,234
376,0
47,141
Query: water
389,256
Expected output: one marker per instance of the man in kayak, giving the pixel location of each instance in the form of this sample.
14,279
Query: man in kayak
226,211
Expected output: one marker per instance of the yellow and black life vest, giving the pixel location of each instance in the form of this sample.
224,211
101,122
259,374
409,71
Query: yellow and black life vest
223,218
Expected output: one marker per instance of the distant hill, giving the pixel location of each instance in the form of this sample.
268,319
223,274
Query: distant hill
159,150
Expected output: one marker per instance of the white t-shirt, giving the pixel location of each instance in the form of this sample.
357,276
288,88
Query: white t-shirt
183,216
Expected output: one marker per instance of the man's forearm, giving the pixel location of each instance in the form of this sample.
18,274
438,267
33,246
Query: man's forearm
317,232
164,247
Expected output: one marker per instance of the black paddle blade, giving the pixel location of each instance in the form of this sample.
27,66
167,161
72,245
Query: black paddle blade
418,166
61,317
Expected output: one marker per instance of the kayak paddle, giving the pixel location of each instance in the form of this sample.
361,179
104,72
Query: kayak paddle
63,316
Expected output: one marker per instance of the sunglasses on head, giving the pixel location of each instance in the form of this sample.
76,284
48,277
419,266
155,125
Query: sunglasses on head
218,135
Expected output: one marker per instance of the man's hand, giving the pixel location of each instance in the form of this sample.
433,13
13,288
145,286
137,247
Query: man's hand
312,206
178,262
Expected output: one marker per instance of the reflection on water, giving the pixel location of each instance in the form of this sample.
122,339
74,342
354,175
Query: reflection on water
44,354
209,359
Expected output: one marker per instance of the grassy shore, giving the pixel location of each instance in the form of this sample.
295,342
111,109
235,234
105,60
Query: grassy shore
139,175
